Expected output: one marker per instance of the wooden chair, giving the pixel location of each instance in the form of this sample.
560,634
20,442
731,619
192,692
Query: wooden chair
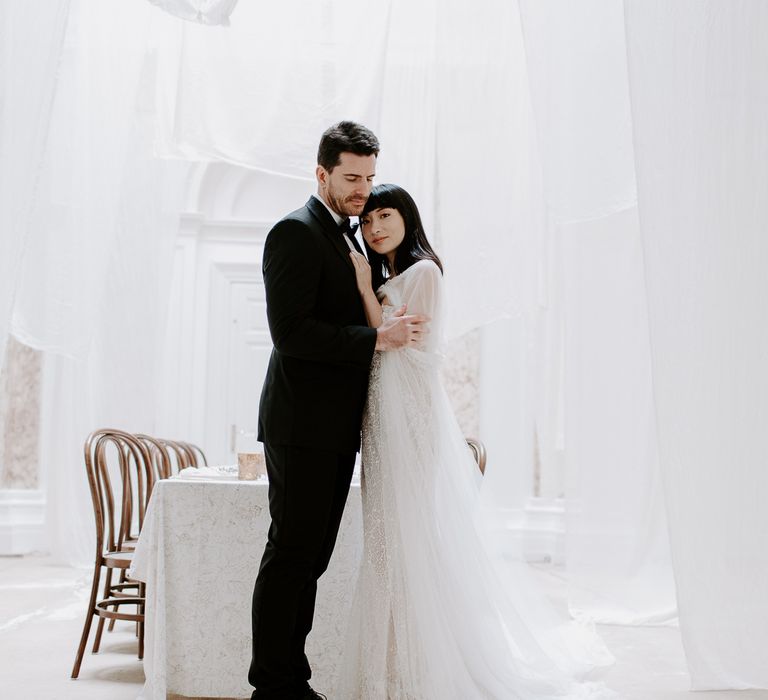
160,463
120,478
478,452
185,454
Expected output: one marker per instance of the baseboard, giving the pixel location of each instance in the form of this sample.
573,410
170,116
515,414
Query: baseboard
22,521
538,530
545,530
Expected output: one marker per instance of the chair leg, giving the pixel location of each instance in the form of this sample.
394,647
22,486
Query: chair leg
97,639
142,609
123,578
100,628
88,621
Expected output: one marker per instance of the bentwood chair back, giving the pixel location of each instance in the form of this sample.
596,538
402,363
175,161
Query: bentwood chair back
159,456
137,478
120,478
180,458
478,452
184,454
196,455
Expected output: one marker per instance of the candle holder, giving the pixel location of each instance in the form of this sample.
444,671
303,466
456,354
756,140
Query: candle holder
251,465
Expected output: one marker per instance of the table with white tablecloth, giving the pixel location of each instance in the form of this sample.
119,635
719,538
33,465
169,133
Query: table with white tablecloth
199,553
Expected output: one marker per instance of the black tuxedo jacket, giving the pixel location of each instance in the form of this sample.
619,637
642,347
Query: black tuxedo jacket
317,378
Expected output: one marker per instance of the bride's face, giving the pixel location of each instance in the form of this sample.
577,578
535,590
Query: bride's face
383,230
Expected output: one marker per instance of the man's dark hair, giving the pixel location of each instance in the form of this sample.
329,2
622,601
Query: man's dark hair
345,137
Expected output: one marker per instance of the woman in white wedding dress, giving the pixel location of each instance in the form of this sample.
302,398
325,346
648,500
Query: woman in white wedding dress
436,615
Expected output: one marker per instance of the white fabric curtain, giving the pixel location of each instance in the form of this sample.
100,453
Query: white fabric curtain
519,131
443,85
92,285
595,412
619,568
203,11
700,116
504,144
31,40
455,126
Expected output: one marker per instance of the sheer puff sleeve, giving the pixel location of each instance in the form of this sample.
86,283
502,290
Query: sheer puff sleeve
422,286
422,291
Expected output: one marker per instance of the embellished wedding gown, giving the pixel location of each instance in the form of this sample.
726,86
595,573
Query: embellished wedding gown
435,615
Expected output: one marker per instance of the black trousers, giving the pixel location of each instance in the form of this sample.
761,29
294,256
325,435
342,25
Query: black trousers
307,492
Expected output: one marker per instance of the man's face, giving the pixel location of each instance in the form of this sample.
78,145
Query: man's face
346,188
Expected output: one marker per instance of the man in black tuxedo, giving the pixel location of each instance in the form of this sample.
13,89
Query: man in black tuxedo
312,402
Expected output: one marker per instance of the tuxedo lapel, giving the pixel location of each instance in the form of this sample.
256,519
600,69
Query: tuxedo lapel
330,229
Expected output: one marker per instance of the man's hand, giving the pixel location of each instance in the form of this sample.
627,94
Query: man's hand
401,331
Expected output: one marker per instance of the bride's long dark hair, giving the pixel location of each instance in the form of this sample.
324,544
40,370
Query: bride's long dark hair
415,245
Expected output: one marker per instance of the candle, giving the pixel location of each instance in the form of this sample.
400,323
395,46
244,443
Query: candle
250,465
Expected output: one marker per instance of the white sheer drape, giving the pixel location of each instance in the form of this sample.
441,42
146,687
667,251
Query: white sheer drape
500,177
513,130
31,39
595,406
98,196
700,110
92,285
618,561
455,126
203,11
260,92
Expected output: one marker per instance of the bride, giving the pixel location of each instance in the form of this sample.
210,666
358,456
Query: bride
436,615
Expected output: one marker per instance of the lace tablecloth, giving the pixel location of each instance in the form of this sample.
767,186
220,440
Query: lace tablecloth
199,552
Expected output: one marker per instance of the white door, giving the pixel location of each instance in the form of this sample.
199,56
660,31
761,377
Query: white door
238,354
249,350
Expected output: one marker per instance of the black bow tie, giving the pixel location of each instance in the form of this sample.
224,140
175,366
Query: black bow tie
347,227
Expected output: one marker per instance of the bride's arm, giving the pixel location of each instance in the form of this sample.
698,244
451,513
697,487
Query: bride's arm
371,304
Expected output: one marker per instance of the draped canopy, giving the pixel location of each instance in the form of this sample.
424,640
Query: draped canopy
593,169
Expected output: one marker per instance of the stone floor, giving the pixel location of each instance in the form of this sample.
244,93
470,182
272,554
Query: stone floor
41,616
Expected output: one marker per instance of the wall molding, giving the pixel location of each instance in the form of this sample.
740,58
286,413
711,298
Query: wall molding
22,521
249,231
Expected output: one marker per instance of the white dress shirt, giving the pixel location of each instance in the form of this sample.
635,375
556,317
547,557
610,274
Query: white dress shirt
336,217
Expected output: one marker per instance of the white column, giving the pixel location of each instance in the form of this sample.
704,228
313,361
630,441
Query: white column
505,423
531,527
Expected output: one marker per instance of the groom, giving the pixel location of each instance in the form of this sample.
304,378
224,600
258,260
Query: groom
312,402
